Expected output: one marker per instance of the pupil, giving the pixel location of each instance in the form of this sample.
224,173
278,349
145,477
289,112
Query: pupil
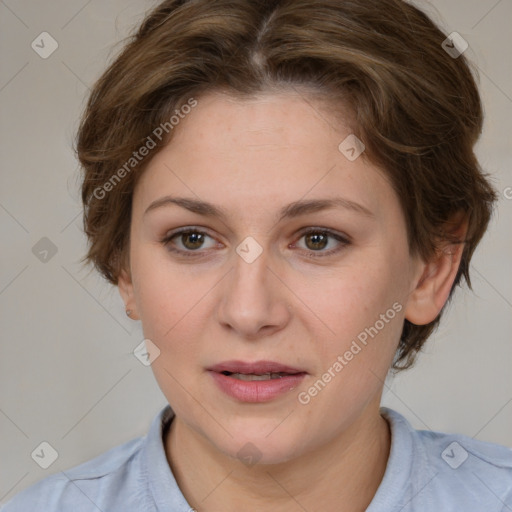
196,239
318,239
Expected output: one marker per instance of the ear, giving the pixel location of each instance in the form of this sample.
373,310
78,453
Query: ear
437,275
125,285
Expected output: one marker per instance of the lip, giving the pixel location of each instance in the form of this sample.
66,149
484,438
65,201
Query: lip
255,391
257,367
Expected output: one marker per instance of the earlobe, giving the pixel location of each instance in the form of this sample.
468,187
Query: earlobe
125,286
433,287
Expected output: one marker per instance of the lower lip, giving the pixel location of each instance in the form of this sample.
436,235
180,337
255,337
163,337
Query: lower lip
256,390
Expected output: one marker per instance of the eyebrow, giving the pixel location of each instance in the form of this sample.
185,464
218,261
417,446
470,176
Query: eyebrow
291,210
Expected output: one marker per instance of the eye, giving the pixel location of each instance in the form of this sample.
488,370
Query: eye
317,239
191,241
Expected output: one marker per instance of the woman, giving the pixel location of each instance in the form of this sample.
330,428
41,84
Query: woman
286,194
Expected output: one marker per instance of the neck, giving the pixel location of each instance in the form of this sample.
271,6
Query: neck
347,470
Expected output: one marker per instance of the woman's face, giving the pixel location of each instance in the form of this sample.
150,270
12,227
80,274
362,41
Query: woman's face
252,287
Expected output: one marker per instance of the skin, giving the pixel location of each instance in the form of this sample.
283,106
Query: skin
253,157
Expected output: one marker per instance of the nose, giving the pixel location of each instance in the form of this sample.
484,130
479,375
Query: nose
254,301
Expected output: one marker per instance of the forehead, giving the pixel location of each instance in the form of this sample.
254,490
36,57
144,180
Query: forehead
269,121
275,148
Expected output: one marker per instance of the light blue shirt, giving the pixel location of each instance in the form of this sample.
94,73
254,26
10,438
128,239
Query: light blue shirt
426,471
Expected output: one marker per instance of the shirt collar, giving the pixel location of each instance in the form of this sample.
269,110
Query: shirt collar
392,490
157,472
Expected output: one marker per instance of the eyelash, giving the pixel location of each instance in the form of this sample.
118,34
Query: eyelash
344,241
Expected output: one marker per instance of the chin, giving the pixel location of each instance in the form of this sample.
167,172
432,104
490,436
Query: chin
262,444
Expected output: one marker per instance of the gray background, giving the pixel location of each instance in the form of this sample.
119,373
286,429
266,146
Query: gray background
67,372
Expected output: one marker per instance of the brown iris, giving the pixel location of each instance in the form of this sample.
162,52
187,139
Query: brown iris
196,240
319,240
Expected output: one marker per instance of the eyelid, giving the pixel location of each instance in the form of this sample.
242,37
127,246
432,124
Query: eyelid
166,239
342,239
319,229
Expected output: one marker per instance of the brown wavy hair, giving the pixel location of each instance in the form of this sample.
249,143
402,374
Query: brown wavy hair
417,109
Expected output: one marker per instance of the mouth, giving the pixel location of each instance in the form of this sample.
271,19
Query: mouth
253,376
255,382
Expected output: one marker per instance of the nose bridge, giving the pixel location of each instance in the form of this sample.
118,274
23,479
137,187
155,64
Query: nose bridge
249,282
252,296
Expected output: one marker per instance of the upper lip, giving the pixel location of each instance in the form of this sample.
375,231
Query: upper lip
257,367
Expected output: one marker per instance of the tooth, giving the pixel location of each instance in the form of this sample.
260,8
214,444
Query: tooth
252,377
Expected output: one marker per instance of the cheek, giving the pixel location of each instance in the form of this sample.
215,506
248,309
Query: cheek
161,291
348,300
363,309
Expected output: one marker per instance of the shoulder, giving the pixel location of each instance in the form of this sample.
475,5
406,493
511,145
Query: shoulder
88,486
457,469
